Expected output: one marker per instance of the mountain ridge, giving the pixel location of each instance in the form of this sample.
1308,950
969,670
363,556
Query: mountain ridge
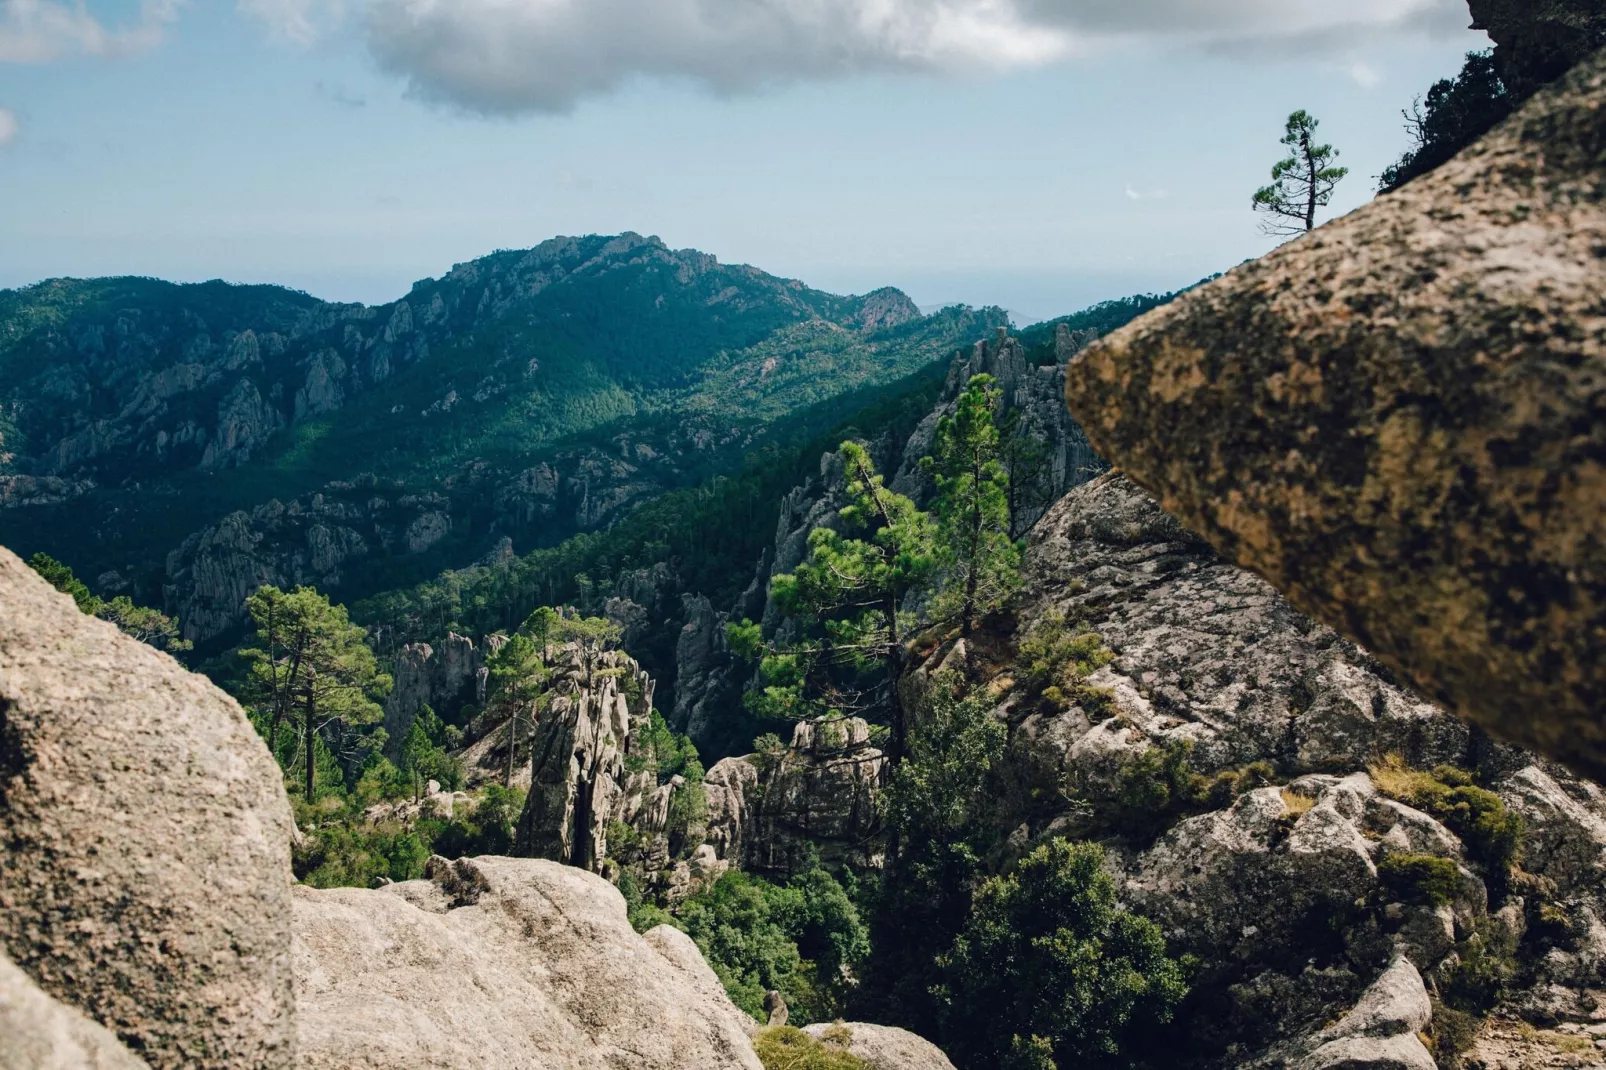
529,394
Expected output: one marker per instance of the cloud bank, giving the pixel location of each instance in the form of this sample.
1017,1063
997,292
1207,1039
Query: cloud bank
8,126
512,56
41,31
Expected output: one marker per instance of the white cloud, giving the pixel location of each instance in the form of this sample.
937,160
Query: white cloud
8,126
1135,194
507,56
301,21
546,55
1365,75
39,31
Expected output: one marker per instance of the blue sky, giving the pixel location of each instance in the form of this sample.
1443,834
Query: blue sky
1039,154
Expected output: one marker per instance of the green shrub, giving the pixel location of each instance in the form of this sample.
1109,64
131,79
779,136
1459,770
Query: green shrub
1159,787
688,811
488,829
1492,833
1056,658
786,1048
643,915
1049,956
1420,878
1481,977
804,940
1452,1032
345,856
938,811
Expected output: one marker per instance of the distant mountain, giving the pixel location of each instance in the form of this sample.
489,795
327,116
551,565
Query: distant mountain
186,442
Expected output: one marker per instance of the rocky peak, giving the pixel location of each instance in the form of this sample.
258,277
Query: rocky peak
443,678
1037,394
579,747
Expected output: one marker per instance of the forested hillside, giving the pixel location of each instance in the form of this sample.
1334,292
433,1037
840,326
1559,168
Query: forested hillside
524,396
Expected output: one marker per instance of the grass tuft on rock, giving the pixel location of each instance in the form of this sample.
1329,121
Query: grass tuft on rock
785,1048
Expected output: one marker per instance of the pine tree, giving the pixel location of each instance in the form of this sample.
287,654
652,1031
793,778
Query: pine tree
517,685
856,579
310,658
1301,183
978,561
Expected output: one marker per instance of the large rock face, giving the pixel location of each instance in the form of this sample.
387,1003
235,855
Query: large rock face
38,1033
1282,891
499,963
1400,421
144,840
578,777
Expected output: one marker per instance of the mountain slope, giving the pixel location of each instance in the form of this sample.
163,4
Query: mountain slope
527,394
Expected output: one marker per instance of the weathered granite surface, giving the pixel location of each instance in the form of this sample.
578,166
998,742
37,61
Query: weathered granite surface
1400,421
144,840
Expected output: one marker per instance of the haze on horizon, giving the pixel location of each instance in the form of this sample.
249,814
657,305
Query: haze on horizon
1036,154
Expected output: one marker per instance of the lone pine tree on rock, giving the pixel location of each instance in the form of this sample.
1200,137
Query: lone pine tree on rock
979,562
1301,182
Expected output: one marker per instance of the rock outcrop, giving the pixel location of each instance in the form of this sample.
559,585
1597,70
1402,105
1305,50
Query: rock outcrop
312,541
144,840
882,1047
1288,892
1537,41
1400,421
503,962
38,1033
579,778
771,813
443,678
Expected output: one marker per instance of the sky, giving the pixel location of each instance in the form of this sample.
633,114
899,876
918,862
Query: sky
1041,155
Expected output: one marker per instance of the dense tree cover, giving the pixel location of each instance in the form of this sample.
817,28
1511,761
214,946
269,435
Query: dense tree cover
341,847
700,367
1456,112
148,625
851,596
1104,318
804,939
1049,972
1035,968
938,821
711,534
1301,182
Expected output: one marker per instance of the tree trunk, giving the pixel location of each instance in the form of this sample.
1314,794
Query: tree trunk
512,746
281,702
973,565
1310,165
894,678
312,748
